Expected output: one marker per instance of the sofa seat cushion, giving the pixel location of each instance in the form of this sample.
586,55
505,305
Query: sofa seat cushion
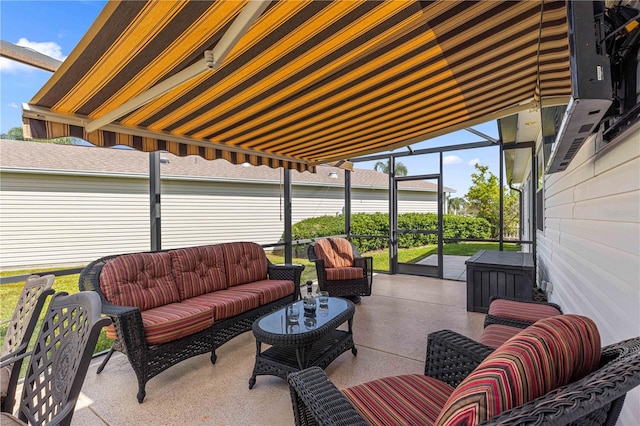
336,252
267,290
494,335
551,353
143,280
244,263
226,303
198,270
530,312
401,400
347,273
171,322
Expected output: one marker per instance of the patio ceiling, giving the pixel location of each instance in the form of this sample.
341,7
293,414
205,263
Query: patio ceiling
295,84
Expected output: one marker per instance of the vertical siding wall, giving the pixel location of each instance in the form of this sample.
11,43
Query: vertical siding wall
590,248
49,220
57,220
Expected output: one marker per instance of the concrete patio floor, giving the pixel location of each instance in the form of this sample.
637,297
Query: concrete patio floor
390,332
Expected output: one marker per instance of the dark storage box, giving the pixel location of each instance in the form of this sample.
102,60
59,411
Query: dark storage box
498,273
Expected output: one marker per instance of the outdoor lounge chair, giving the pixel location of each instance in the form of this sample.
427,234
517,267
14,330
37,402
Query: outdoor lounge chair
59,361
341,270
19,332
575,383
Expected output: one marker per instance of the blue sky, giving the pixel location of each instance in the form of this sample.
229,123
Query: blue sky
55,27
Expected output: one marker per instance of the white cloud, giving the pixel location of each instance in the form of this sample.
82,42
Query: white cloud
473,162
48,48
14,105
451,159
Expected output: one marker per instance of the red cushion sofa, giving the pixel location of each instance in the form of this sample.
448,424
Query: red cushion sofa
168,306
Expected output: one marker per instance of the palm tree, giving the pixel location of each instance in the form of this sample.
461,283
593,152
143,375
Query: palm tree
456,204
383,166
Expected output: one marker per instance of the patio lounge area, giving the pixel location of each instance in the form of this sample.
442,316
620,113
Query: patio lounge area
390,332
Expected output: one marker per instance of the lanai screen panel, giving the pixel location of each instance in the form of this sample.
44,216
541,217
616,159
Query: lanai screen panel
309,82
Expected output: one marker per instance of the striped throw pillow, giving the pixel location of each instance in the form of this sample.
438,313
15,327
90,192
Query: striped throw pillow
551,353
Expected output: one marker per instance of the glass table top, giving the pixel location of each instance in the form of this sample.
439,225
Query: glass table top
279,322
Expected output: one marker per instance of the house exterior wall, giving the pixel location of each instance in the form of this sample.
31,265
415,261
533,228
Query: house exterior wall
589,251
54,220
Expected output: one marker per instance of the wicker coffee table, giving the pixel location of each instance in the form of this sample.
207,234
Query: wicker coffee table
311,341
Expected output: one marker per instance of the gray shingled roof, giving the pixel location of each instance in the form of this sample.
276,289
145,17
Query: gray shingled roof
85,159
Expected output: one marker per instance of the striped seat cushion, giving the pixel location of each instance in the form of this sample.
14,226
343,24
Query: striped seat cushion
400,400
336,252
267,290
144,280
198,270
338,274
244,263
494,335
522,311
551,353
226,303
172,321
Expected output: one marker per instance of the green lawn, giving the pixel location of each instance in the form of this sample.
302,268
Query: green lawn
9,293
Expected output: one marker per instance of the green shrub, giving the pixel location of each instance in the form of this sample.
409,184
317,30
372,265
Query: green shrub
378,224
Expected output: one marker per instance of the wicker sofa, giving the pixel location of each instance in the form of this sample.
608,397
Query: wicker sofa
551,373
168,306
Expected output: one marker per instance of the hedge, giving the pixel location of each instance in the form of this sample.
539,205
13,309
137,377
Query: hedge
378,224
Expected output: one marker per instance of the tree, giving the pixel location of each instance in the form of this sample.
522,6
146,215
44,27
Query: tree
483,199
383,166
14,133
456,205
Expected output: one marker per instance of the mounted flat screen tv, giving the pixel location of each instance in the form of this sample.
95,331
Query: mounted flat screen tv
605,80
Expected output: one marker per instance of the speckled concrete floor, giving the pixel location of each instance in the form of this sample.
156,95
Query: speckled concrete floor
390,331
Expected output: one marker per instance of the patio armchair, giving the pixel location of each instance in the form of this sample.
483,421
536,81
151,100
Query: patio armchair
582,384
341,269
59,361
19,332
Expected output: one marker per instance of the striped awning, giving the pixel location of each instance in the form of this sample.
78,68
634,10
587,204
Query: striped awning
298,83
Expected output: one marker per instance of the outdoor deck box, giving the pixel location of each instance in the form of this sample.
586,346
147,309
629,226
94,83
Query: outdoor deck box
498,273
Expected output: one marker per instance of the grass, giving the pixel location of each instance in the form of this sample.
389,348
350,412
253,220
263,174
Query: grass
9,293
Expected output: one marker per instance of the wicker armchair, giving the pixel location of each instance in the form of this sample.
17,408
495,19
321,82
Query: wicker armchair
341,270
19,332
59,361
595,399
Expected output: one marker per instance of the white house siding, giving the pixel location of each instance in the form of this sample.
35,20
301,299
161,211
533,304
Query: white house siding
57,220
205,212
589,251
53,220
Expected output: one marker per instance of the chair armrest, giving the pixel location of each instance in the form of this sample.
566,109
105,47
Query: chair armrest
127,321
366,263
285,272
451,356
12,357
288,273
317,401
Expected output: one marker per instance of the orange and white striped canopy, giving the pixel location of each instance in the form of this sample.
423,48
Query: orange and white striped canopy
298,83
